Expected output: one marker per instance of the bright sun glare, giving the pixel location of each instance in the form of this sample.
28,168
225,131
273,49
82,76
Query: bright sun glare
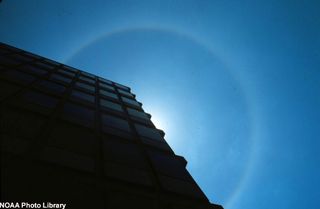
158,121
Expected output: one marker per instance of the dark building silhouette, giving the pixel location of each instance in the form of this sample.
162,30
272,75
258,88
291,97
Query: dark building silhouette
68,136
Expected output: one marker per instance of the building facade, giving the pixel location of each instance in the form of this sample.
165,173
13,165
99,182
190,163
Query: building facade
68,136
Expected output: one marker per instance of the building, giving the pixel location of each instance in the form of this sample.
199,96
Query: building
68,136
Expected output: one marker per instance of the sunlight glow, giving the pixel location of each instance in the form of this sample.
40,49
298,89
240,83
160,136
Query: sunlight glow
160,120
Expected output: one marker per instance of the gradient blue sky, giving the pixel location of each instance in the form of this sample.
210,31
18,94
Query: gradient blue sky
234,84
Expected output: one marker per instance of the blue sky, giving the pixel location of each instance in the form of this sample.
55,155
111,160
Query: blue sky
234,84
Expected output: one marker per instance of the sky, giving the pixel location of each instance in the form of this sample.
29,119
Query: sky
235,85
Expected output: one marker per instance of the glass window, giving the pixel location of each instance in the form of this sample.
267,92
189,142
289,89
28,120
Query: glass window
51,62
44,65
127,153
68,159
132,175
52,87
111,105
125,93
65,72
122,87
80,140
169,165
40,99
32,55
85,86
130,101
58,77
115,122
21,58
106,86
5,60
18,76
108,94
88,75
181,187
105,81
83,78
73,70
82,96
79,114
138,114
151,133
33,69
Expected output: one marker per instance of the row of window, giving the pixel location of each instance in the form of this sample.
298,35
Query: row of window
57,88
83,142
110,101
14,59
89,84
85,116
8,61
86,80
17,76
91,79
64,74
85,96
106,90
